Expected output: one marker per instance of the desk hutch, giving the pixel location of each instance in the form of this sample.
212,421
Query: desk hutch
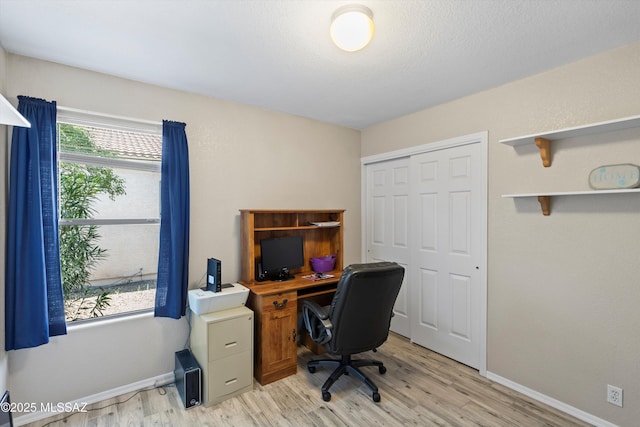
275,304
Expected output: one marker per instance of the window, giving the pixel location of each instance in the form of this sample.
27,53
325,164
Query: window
109,195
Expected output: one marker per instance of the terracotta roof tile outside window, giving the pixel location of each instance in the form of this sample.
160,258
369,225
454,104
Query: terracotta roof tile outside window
126,144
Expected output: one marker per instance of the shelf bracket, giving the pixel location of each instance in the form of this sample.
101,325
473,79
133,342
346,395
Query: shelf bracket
545,204
545,151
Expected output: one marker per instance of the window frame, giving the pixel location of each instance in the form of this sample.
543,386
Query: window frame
99,120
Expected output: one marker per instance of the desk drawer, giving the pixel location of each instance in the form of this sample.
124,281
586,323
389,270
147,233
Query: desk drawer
279,301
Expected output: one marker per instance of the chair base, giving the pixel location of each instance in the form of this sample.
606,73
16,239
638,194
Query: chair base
346,366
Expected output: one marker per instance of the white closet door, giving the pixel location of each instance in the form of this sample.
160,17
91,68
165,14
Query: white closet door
387,226
447,252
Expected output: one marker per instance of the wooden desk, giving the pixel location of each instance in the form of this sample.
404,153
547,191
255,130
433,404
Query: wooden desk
276,306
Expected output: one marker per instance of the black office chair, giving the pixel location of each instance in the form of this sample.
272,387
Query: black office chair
357,320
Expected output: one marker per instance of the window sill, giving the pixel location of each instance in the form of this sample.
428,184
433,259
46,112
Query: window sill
110,320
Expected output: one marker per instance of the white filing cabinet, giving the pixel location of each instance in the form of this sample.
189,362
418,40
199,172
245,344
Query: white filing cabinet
222,343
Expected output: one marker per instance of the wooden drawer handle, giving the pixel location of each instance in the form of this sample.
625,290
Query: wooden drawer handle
280,306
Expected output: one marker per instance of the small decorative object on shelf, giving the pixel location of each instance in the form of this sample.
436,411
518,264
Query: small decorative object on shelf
323,264
610,177
326,223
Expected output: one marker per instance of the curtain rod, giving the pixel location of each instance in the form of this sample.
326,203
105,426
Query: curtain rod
109,116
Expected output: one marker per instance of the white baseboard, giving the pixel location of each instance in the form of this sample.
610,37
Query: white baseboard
568,409
157,381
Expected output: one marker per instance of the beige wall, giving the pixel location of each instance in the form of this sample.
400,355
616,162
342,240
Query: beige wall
563,290
240,157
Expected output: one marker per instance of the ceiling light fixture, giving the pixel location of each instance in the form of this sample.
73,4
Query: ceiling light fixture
352,27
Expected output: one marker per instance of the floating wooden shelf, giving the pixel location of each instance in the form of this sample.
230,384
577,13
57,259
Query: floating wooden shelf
543,140
545,198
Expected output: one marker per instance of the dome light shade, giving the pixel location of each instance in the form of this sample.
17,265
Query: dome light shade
352,27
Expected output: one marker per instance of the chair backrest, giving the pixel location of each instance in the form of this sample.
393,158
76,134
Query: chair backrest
362,306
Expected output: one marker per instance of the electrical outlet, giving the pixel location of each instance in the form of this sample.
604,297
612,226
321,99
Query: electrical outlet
614,395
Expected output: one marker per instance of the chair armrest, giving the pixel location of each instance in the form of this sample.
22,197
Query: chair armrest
317,322
315,308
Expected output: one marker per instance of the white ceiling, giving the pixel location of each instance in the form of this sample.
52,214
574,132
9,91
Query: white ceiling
276,54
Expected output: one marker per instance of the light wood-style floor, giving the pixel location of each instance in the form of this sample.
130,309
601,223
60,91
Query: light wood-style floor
420,388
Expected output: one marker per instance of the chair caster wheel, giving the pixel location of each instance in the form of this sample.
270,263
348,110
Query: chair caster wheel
326,396
376,396
312,369
382,370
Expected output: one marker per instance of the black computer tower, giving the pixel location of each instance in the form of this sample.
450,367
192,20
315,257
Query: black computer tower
188,378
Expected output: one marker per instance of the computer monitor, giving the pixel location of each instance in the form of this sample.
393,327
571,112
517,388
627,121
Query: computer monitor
281,254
